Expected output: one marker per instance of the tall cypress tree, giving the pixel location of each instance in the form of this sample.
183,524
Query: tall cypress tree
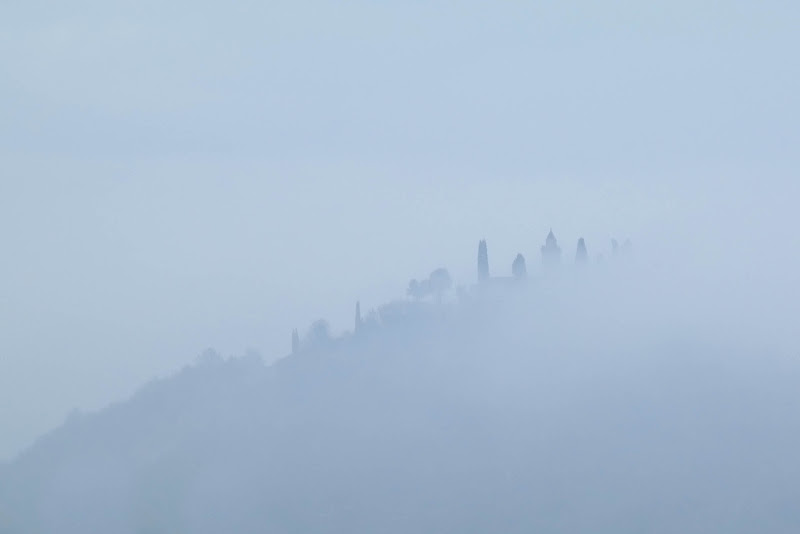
518,268
581,254
358,316
483,262
295,341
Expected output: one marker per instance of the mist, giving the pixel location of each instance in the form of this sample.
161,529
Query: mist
188,177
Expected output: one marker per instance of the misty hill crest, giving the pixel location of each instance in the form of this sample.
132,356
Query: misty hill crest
437,289
566,406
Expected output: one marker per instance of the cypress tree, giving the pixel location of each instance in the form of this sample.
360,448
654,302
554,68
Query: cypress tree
581,254
483,262
518,268
295,341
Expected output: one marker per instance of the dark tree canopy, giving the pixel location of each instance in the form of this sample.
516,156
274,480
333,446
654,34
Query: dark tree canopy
440,282
436,285
319,333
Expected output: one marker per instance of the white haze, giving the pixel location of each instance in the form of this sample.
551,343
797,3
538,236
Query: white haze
176,177
614,397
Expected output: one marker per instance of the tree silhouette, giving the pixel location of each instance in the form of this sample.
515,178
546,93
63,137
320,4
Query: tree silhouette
627,247
209,357
440,282
417,289
483,261
295,341
581,254
319,333
518,268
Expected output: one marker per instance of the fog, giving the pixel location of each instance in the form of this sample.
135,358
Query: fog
620,395
191,176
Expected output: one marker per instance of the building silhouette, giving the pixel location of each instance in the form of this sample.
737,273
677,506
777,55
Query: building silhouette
551,252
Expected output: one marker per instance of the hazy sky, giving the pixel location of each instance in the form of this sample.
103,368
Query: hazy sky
187,175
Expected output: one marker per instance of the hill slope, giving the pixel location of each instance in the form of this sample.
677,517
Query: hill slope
521,412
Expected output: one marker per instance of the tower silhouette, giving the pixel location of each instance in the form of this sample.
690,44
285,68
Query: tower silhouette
551,252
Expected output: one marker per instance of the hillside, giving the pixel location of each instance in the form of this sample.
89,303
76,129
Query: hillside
570,407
